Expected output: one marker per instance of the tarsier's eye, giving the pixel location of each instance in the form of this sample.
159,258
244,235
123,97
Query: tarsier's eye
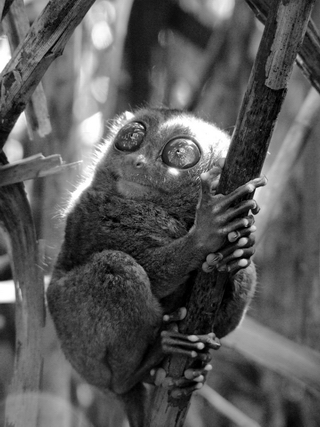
181,153
130,137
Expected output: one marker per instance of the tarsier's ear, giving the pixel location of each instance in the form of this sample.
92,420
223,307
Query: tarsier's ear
114,125
123,118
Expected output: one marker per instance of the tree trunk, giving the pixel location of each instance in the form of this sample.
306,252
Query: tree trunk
282,37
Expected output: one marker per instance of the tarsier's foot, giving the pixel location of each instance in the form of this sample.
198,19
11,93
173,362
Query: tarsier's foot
195,347
192,380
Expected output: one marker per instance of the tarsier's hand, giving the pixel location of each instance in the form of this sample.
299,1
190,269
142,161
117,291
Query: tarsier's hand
235,255
223,219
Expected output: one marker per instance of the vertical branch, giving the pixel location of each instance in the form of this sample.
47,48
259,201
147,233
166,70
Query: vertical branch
283,35
17,225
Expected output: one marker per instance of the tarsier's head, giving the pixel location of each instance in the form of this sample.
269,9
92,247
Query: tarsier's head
154,153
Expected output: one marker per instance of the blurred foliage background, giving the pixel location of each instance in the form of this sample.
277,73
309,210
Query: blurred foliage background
197,55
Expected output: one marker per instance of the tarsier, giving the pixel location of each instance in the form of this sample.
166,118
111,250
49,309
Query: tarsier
136,234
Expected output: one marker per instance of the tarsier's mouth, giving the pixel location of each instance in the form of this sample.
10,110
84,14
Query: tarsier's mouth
133,189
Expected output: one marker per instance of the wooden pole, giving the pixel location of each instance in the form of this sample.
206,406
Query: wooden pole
283,35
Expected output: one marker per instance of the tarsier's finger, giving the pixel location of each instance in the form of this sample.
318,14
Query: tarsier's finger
255,210
234,266
237,224
242,249
179,392
159,375
241,210
237,256
230,248
191,377
221,162
193,346
176,316
209,340
209,181
244,232
197,374
244,190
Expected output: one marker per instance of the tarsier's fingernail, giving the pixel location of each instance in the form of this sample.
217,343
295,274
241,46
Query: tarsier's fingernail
243,262
214,258
193,338
238,253
233,236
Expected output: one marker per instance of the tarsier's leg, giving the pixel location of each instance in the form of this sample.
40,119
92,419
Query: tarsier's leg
107,317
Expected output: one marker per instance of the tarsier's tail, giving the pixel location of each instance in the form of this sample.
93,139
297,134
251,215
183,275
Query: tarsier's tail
135,403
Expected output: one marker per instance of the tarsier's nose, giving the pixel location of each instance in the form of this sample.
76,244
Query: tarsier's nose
136,160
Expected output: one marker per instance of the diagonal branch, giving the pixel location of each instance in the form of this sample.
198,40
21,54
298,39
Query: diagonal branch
16,25
284,31
45,41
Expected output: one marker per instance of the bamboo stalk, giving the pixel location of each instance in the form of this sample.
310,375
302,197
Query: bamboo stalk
284,31
17,226
36,166
16,26
277,353
226,408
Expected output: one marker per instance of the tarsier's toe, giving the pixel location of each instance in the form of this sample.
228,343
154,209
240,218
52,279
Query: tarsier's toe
193,346
175,316
192,380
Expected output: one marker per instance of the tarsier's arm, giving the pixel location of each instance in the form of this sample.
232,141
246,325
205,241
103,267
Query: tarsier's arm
216,223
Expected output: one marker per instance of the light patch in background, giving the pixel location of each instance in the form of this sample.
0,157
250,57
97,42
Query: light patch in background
99,88
101,35
4,52
8,293
222,9
52,410
91,129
